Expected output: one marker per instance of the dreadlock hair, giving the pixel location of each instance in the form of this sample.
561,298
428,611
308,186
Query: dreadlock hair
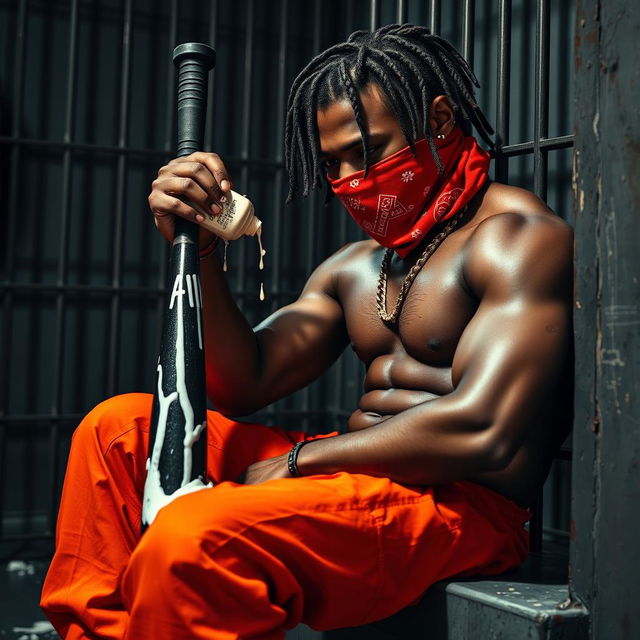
411,67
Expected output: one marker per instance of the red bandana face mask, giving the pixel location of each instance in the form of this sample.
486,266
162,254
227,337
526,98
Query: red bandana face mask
403,196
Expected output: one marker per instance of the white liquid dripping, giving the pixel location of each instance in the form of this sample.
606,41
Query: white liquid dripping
154,497
261,250
224,263
261,266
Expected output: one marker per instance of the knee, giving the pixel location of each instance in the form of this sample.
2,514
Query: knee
112,417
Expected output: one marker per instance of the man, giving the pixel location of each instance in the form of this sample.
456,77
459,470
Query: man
460,308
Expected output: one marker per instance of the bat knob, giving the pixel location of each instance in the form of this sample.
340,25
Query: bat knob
195,50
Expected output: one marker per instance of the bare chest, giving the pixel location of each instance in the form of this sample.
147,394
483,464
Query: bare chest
435,312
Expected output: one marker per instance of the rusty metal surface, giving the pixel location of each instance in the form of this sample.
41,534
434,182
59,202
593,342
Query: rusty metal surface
605,554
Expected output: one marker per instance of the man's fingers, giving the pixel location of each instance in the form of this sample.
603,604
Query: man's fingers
187,189
164,207
215,165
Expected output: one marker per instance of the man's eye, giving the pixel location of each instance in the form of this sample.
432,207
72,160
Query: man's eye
329,162
370,150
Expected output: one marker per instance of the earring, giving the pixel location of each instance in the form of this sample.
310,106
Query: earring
441,136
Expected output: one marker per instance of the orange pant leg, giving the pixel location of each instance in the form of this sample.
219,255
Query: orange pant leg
99,518
331,551
250,561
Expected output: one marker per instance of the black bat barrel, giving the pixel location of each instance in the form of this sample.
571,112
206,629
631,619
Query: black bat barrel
177,444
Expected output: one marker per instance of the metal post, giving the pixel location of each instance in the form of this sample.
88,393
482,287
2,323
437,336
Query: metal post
541,122
606,437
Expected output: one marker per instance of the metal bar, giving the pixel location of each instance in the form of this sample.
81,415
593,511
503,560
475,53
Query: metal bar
342,239
503,86
63,261
434,16
468,30
44,418
312,214
549,144
401,11
374,15
209,132
18,85
169,136
126,151
246,132
109,290
276,231
541,123
118,229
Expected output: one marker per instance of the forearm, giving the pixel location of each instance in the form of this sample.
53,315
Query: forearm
231,347
431,443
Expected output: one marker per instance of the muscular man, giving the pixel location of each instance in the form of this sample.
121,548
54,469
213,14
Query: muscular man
460,307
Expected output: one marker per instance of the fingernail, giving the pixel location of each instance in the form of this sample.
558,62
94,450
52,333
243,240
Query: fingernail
226,185
199,217
215,208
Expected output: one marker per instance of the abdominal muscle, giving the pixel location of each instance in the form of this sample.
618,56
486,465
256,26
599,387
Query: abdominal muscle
386,396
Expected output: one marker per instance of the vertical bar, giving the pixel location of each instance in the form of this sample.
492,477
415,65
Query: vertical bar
503,88
276,232
246,134
468,30
209,134
118,230
63,260
541,123
312,217
342,239
168,146
401,11
374,19
434,16
16,127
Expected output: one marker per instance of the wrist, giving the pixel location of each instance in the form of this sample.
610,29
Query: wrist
209,249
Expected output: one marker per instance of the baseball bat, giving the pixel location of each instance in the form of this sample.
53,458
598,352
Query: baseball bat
177,443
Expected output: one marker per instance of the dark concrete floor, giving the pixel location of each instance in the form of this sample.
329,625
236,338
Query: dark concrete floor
20,616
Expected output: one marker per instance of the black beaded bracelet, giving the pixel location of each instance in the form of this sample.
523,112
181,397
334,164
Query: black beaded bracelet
292,459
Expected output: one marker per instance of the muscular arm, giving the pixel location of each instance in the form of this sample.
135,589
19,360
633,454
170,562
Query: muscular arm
250,368
508,359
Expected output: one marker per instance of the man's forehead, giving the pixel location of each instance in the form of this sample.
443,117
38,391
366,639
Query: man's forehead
337,125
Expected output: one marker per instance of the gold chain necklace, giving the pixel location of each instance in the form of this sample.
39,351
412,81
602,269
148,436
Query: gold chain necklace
381,295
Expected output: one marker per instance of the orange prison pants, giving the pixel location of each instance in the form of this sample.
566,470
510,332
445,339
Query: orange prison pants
240,561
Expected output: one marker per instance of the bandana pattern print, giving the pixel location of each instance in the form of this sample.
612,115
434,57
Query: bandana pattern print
404,196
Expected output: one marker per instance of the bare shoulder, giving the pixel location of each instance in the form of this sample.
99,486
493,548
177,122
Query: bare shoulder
326,275
518,241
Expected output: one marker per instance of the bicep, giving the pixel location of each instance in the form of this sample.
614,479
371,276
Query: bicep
516,346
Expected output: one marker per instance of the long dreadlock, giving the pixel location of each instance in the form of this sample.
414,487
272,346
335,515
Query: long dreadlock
409,64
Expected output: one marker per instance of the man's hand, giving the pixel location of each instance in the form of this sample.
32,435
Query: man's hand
266,470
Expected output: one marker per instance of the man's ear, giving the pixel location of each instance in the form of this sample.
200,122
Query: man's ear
441,116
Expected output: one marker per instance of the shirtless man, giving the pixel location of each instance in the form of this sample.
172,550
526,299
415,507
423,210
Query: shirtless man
466,396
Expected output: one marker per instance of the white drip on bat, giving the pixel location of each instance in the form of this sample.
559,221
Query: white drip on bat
154,496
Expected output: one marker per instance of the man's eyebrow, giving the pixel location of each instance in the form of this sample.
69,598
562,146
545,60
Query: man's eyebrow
349,145
345,147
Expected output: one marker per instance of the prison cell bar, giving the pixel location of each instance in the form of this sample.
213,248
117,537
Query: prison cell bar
503,86
62,271
18,85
